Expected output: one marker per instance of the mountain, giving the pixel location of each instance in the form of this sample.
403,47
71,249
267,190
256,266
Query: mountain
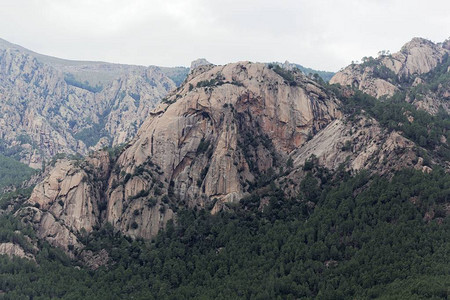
419,69
251,181
206,144
226,133
94,72
49,105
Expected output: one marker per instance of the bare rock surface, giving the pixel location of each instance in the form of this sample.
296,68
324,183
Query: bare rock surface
12,250
388,74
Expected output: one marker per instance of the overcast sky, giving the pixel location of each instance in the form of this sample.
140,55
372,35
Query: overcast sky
321,34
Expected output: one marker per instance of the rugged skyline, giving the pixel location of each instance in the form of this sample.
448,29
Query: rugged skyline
321,34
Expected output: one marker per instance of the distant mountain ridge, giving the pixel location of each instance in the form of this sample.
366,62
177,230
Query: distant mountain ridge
50,105
325,75
95,72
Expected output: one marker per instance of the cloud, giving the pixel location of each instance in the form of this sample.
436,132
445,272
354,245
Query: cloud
320,34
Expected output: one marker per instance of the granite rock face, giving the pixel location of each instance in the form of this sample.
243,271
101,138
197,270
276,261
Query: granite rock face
69,202
206,145
224,128
12,250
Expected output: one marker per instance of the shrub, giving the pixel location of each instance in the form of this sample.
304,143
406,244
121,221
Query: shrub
285,74
202,146
347,146
151,202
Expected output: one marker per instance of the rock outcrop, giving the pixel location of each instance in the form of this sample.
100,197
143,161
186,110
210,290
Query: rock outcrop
12,250
69,202
410,67
362,77
352,146
419,56
226,126
199,62
361,144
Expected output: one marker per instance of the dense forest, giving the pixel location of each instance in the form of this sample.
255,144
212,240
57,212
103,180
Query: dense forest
347,237
13,172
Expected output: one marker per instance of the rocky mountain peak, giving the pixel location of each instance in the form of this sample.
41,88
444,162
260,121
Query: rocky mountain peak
199,62
388,74
418,56
417,42
207,144
216,133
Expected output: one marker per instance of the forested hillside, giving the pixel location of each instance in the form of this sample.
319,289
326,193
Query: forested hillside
326,243
13,172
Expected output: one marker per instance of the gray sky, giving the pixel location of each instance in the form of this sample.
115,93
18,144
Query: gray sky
321,34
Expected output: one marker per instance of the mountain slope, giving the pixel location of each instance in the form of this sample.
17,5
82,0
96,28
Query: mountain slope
44,111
